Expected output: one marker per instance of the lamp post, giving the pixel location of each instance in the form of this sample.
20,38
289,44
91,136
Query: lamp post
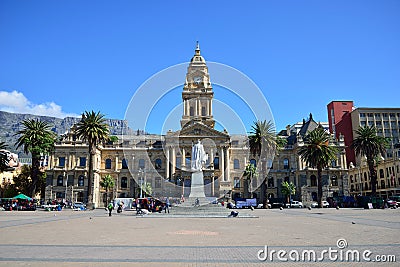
141,182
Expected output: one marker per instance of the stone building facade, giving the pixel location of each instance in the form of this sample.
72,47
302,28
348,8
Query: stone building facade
163,161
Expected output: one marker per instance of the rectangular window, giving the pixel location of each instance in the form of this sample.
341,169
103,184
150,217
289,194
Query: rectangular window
377,115
82,161
236,182
363,123
362,115
385,115
203,111
187,161
61,161
178,162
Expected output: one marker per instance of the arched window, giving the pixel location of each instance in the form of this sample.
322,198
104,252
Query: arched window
158,163
366,186
381,173
236,164
124,182
286,179
365,176
253,162
285,164
81,180
108,163
333,163
141,164
124,164
60,179
382,184
313,180
351,178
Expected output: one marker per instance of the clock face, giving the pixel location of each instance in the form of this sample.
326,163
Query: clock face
197,79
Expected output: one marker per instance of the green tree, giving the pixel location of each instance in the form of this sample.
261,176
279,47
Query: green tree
263,142
318,153
147,189
37,138
23,181
93,129
367,143
107,182
288,189
3,157
250,172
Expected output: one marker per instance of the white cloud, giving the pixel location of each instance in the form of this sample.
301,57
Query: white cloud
16,102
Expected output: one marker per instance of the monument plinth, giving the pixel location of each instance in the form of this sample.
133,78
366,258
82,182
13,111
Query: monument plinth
197,195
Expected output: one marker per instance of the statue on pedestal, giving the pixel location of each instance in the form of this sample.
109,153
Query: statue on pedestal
199,157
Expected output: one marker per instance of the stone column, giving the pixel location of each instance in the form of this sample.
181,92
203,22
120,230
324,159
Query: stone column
173,161
210,108
116,163
167,165
212,185
227,165
222,164
183,160
196,108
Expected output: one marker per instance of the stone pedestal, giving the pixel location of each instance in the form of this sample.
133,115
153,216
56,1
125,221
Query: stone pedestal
197,186
196,191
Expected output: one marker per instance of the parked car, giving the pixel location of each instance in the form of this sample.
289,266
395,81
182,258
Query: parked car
325,204
391,203
79,206
294,204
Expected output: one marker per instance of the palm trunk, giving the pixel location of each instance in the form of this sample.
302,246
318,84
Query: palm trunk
263,184
34,174
319,194
90,177
372,173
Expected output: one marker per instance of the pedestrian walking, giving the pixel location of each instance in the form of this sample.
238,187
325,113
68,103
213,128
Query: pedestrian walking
167,205
110,208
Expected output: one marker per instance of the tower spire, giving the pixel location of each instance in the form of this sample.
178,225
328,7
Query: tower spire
197,51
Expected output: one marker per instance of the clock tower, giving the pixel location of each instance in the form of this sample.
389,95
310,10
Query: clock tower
197,93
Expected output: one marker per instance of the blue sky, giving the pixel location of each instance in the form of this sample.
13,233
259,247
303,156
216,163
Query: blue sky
64,57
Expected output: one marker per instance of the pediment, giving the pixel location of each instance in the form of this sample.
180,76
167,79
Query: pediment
200,129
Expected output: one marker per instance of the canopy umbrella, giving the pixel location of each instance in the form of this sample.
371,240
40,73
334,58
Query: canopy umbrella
22,196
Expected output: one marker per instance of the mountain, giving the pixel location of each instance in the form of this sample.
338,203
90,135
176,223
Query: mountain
11,123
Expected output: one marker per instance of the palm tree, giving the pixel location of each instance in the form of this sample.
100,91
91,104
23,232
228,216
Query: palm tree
3,157
93,129
262,142
250,172
107,182
37,138
288,189
318,153
369,144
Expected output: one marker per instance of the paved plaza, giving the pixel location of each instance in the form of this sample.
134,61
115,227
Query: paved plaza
194,237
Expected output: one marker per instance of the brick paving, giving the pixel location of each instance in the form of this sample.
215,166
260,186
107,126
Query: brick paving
193,237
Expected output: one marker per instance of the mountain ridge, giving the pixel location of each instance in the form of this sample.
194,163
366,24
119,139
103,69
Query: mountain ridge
11,123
